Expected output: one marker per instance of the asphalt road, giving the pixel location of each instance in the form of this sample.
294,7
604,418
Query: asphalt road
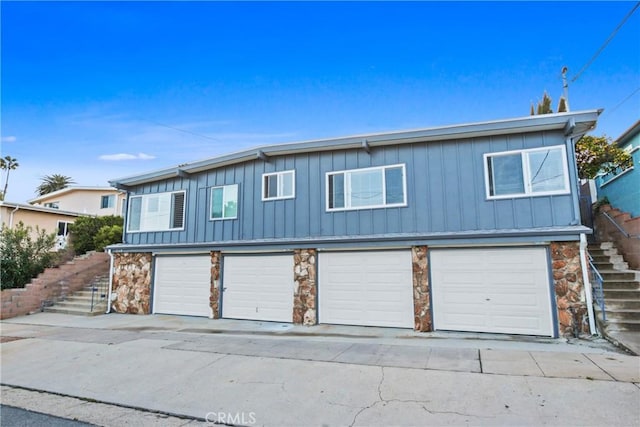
16,417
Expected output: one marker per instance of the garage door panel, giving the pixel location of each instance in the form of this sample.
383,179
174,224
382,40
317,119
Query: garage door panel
492,290
182,285
366,288
258,287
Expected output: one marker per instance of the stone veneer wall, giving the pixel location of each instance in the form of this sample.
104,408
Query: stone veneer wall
421,297
569,288
305,287
131,283
214,296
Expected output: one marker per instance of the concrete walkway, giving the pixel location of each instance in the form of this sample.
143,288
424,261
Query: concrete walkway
259,373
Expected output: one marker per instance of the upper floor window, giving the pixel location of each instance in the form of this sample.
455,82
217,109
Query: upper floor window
279,185
108,201
532,172
53,205
156,212
224,202
377,187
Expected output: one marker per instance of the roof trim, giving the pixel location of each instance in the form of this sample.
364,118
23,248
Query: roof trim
70,189
25,207
580,123
628,134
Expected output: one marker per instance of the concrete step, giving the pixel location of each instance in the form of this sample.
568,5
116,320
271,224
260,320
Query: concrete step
621,294
621,284
97,310
622,304
617,275
621,314
622,325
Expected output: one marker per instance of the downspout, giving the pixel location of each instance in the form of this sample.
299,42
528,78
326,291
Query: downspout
587,283
11,216
110,281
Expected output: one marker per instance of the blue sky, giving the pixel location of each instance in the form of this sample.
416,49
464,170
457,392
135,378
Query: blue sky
101,90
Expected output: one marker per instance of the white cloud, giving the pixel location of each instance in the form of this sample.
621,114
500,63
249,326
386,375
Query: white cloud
8,139
126,156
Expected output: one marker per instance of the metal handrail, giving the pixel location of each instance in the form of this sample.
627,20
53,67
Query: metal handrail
98,293
596,285
622,230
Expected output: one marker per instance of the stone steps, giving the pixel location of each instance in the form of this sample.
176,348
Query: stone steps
621,289
79,303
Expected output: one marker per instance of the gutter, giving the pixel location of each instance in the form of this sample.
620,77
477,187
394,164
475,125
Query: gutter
587,283
11,216
110,281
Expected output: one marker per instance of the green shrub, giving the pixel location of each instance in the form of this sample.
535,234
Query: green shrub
23,257
84,231
107,235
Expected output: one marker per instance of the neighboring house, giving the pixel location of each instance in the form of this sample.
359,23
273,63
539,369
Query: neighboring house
474,227
99,201
623,188
48,219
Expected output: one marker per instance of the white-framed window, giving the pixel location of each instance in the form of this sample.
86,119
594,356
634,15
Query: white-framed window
366,188
52,205
522,173
279,185
108,201
156,212
63,228
224,202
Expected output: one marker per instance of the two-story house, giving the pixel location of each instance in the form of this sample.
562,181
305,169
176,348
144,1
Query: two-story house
100,201
472,227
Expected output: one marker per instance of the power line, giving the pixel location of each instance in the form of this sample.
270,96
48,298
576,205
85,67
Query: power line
613,34
622,102
180,130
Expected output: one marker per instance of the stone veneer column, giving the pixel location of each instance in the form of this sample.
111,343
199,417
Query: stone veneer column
305,288
569,288
131,282
421,297
214,297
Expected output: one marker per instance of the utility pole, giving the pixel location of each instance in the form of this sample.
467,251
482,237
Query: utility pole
565,87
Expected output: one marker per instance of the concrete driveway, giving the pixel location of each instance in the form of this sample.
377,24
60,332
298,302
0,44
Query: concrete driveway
173,370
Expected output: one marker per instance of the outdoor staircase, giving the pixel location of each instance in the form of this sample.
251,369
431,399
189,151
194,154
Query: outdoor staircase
621,289
90,301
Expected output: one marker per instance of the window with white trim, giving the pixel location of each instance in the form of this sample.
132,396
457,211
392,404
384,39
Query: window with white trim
224,202
366,188
63,228
156,212
279,185
521,173
108,201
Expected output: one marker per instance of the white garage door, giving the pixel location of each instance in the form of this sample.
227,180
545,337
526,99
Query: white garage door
366,288
502,290
258,287
182,285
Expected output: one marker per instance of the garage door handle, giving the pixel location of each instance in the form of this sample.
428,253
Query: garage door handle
224,289
488,299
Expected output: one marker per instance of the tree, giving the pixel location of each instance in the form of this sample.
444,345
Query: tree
544,106
7,163
562,105
25,254
596,154
51,183
90,233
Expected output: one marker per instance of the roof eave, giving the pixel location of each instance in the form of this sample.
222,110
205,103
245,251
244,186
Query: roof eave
584,121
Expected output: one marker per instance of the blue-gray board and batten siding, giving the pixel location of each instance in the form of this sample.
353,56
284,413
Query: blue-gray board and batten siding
445,194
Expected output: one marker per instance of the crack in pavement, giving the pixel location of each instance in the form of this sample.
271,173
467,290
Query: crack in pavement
421,403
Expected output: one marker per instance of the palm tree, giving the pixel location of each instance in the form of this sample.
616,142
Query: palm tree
7,163
51,183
